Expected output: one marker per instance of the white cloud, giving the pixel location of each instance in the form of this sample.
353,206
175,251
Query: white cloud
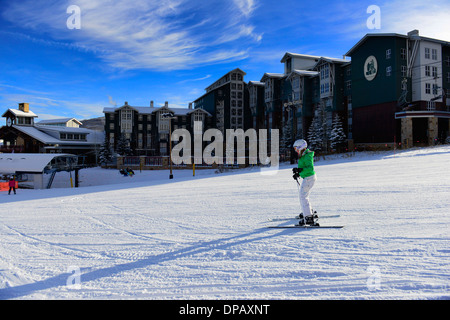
157,35
431,18
245,6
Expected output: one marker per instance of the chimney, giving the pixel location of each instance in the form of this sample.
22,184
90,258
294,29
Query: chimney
25,107
190,105
151,104
166,104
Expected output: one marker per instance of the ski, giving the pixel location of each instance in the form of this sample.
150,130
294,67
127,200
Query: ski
296,217
305,227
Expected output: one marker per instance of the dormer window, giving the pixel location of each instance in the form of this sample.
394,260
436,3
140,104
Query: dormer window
73,136
25,120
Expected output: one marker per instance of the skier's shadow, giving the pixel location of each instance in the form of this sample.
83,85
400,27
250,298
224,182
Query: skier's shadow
88,274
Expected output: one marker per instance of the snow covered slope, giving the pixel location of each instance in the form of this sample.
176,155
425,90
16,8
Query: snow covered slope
206,237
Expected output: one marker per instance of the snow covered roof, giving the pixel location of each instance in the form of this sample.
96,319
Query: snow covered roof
298,55
303,73
41,133
272,75
20,113
150,110
59,120
413,35
37,134
332,60
256,83
27,162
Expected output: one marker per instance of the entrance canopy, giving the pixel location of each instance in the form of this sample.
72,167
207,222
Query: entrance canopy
11,163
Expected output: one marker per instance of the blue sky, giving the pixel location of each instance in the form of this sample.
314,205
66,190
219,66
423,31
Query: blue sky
171,50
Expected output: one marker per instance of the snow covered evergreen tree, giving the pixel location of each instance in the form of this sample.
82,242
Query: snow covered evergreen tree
123,147
105,155
316,133
286,137
337,136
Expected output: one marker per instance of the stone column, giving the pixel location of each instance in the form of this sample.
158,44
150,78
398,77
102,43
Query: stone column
407,133
432,130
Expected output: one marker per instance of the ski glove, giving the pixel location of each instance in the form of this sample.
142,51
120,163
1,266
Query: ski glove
296,172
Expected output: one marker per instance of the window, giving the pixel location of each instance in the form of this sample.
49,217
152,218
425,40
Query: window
447,61
348,85
388,71
388,53
289,65
140,140
111,126
434,72
324,72
427,53
435,89
427,71
427,88
403,53
434,54
448,77
403,71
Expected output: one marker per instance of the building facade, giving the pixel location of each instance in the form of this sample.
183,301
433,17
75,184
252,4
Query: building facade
227,101
145,130
399,88
22,135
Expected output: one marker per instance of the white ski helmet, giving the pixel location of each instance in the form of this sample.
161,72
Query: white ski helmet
300,144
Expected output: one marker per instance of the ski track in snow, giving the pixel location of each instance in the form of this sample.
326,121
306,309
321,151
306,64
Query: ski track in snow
206,237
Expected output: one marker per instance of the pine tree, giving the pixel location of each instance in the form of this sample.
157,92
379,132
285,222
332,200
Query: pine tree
337,136
286,137
123,147
316,133
105,155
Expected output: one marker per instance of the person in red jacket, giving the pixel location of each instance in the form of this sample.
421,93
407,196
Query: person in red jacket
12,185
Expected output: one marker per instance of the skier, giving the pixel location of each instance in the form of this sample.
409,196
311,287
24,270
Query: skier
12,185
305,170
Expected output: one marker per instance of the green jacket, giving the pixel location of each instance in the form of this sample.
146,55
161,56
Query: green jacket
306,162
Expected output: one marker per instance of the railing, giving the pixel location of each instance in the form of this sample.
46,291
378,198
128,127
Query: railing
11,149
131,161
153,161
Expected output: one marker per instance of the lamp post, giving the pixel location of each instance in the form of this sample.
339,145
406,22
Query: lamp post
169,116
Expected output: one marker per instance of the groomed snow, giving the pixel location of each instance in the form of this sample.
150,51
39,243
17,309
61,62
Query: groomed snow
205,237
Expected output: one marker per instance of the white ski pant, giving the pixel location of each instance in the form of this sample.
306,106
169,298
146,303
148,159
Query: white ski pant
304,191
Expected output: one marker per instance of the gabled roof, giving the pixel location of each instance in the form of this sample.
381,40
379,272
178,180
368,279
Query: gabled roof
39,133
142,110
272,75
59,120
20,113
150,110
308,73
298,55
331,60
11,163
256,83
412,35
